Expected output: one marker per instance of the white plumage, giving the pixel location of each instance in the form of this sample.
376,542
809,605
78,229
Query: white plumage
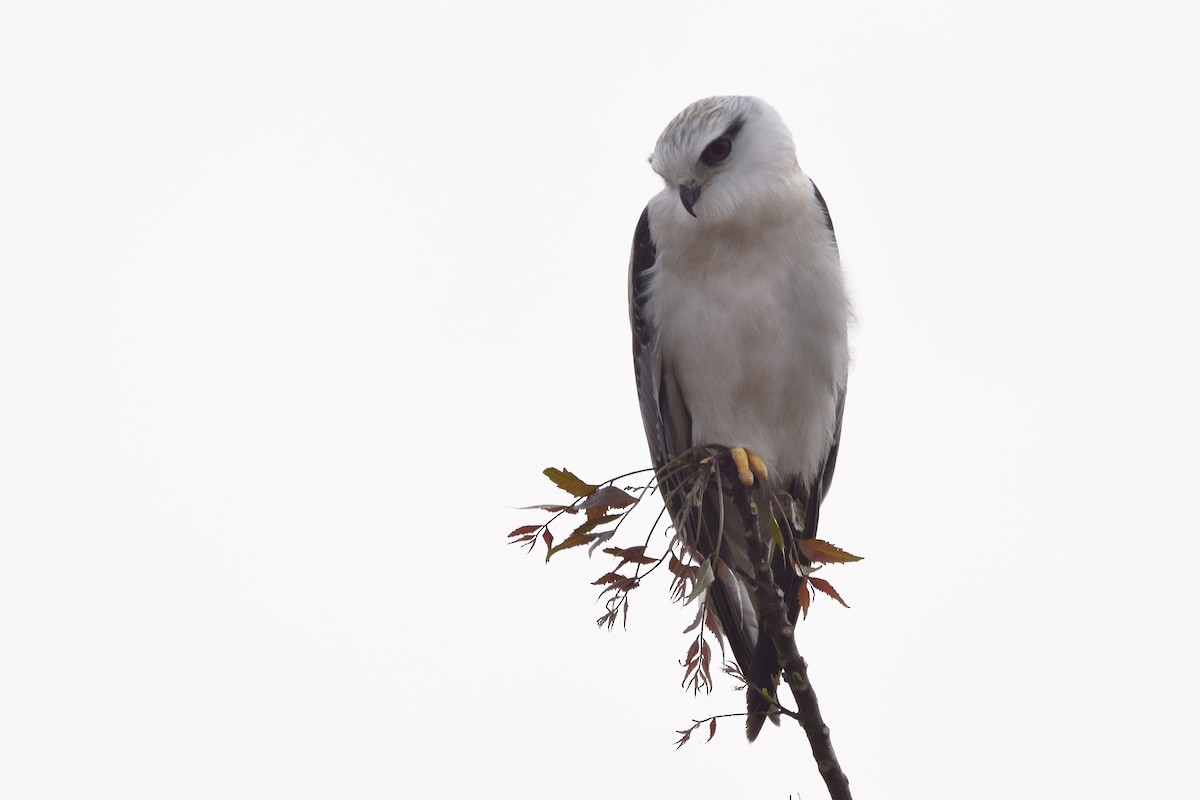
740,321
748,296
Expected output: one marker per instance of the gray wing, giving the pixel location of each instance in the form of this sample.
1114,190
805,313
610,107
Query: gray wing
667,422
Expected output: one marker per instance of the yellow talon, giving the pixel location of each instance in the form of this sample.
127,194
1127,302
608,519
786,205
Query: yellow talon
748,465
757,465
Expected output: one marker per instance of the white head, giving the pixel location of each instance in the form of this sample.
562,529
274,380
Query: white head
726,157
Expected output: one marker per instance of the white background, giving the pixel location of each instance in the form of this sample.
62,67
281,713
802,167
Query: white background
297,301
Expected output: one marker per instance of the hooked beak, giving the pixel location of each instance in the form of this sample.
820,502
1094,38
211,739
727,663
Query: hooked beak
688,195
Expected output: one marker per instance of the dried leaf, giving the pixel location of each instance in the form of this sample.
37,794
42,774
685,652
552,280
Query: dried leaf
825,553
549,540
526,529
569,482
712,729
823,586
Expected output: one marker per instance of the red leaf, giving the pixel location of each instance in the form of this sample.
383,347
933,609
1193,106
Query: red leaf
804,596
627,554
712,729
710,622
824,552
526,529
549,540
681,570
823,586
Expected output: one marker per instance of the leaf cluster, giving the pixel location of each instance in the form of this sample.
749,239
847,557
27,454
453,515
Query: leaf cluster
600,510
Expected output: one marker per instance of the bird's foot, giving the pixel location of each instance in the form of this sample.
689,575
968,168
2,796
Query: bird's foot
748,465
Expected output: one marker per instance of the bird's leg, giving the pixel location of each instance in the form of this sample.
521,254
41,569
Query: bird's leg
748,465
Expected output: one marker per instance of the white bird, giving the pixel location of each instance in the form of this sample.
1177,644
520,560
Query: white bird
740,318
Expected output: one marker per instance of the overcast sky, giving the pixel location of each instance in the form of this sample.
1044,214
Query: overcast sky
298,300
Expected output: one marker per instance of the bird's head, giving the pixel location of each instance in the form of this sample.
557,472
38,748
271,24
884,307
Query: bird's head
726,157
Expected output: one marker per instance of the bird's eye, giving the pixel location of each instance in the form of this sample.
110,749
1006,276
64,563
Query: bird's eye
717,151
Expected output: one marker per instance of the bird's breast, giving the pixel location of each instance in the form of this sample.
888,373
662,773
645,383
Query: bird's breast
755,336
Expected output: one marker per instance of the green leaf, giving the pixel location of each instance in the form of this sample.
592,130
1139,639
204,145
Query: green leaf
776,534
569,482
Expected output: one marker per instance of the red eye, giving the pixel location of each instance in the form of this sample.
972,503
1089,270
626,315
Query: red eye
717,151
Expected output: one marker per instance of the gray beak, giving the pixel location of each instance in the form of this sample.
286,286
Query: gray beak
688,195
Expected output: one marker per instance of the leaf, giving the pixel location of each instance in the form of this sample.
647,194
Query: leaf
681,570
703,580
607,497
684,736
525,530
552,508
593,522
804,596
622,583
636,555
549,540
823,586
710,622
569,482
574,540
776,534
600,538
825,553
712,729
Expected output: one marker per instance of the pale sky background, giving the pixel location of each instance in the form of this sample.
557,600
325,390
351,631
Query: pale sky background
298,300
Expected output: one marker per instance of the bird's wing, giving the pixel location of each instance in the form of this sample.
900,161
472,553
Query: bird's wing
669,433
811,496
666,420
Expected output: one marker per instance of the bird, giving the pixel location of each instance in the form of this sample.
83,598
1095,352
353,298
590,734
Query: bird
740,317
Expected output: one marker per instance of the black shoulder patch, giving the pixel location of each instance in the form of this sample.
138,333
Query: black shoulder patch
824,209
643,256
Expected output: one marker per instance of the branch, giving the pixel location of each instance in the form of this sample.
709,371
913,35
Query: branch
773,619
